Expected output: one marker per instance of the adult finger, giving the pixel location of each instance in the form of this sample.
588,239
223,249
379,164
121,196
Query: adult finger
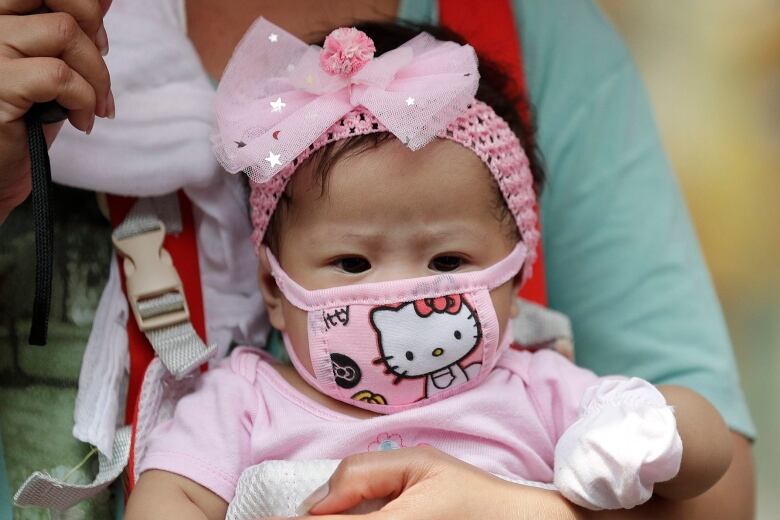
57,34
37,80
87,13
368,476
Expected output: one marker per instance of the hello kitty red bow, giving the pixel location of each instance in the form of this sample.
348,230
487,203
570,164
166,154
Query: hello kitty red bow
449,304
278,95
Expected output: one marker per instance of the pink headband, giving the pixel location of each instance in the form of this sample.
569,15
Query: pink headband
280,100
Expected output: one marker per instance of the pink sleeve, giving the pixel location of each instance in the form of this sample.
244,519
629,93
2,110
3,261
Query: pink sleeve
556,387
208,438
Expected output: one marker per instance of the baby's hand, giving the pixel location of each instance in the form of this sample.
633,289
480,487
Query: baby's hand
624,442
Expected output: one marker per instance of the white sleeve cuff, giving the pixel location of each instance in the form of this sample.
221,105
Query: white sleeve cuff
624,442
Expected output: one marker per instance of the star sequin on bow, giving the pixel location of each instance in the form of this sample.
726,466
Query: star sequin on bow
273,37
278,105
410,101
273,159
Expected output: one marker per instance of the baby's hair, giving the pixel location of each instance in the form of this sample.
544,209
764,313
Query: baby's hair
495,89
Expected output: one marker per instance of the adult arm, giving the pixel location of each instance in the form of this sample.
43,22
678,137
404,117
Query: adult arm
45,57
430,484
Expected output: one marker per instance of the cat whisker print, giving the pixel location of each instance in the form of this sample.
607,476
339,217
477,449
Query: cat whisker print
399,377
381,359
389,369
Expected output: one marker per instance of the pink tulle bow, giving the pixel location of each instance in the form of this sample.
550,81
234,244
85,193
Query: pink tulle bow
277,96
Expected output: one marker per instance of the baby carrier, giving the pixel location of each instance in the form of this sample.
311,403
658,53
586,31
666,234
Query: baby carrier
158,261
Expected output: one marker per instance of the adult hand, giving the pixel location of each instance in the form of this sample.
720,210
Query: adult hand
423,482
47,56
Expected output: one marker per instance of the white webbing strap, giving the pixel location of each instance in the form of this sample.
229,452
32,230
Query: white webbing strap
43,490
537,326
180,348
154,290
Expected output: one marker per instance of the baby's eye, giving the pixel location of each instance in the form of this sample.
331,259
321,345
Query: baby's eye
353,264
445,263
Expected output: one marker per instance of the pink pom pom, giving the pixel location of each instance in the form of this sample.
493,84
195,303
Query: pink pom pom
346,51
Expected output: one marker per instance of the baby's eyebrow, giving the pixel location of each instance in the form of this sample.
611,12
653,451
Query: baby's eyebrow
421,237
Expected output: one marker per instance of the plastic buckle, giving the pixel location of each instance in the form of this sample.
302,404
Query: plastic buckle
149,273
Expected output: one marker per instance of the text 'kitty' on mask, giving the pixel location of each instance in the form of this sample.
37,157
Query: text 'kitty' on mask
390,346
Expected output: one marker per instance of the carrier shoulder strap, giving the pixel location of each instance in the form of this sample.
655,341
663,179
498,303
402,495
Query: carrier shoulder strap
182,249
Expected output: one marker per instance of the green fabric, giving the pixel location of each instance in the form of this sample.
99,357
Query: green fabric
275,346
38,384
621,257
5,488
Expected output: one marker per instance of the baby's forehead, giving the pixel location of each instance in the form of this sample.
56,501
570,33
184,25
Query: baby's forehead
442,182
389,168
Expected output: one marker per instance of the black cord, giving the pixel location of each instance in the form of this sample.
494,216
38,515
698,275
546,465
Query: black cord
44,235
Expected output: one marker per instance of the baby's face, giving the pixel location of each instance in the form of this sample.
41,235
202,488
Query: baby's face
389,213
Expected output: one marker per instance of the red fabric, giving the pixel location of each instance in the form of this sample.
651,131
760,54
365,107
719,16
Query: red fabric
489,27
183,249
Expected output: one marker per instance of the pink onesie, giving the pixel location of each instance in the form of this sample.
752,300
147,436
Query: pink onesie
243,412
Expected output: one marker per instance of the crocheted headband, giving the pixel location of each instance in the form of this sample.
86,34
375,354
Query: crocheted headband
280,100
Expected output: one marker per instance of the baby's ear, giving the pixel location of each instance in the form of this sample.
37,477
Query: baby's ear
270,291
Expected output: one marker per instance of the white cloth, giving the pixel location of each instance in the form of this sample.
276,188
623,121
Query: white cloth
624,442
158,144
104,369
278,488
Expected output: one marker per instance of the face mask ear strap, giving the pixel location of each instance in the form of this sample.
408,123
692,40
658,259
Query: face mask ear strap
402,290
294,293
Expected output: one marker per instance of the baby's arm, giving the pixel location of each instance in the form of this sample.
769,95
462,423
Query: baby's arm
707,444
161,494
619,440
631,440
190,464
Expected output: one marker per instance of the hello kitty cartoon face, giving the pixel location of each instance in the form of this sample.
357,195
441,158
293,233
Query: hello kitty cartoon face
428,338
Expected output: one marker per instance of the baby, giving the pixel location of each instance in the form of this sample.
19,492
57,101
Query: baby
394,215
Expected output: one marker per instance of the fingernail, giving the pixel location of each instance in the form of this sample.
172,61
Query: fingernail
91,124
312,500
110,106
101,107
101,40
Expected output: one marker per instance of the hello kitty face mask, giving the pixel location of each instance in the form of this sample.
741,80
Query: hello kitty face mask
391,346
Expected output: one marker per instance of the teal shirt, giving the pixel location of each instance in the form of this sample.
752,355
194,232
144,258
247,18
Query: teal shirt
621,257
